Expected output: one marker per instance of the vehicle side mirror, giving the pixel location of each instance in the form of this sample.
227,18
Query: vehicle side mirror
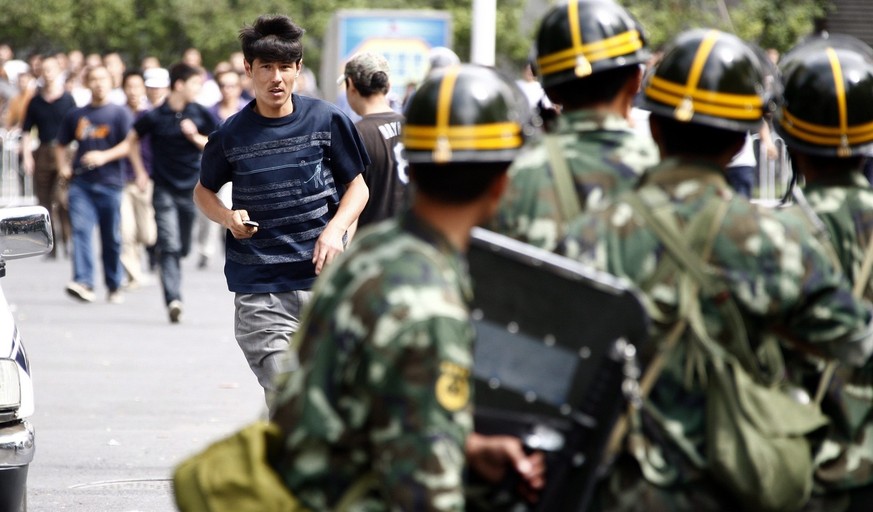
25,231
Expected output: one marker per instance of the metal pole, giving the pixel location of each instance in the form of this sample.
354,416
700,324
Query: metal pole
484,32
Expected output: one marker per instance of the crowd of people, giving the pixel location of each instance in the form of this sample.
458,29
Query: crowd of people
345,250
39,92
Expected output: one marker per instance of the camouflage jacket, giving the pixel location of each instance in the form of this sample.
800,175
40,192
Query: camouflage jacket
845,459
384,387
605,157
777,274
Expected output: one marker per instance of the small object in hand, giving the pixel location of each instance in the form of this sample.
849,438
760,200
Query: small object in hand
251,223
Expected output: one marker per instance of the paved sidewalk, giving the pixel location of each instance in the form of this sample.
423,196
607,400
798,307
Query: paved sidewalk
121,394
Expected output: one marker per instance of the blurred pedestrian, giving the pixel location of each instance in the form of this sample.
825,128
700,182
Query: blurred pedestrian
178,129
96,177
367,81
157,84
138,229
17,107
45,111
209,233
116,66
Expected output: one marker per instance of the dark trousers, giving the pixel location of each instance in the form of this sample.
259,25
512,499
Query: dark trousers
174,215
51,193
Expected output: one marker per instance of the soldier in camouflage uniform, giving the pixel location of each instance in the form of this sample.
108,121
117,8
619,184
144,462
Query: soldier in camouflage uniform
777,275
379,415
589,56
826,121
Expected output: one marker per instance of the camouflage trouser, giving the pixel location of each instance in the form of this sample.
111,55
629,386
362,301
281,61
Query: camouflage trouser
625,490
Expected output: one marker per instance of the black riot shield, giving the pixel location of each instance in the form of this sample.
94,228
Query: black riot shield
556,344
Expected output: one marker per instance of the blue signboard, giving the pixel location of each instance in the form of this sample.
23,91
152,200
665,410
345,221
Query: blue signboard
404,37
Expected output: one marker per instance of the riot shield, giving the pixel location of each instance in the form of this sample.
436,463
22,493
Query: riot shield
556,343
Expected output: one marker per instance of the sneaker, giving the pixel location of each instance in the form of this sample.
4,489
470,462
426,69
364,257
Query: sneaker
115,297
175,311
80,292
203,262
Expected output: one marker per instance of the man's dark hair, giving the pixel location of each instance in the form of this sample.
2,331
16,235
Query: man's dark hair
183,72
129,73
593,89
680,138
455,183
379,84
273,38
86,74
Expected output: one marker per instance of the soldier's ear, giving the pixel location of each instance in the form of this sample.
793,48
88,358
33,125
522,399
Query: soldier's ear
491,198
498,186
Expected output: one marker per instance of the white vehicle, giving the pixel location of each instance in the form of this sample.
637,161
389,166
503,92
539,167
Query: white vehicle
24,231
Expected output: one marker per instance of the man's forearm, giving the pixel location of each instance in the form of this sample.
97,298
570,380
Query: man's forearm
352,204
120,150
211,205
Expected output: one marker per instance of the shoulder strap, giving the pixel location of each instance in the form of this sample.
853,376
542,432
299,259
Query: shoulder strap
692,260
862,280
819,229
367,482
565,188
702,235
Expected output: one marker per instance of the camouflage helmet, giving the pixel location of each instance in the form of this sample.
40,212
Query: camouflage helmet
582,37
711,78
465,113
827,108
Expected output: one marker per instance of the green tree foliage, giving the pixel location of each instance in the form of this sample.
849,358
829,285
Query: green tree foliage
165,28
769,23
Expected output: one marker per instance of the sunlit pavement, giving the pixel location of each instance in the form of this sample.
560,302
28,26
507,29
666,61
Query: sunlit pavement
121,394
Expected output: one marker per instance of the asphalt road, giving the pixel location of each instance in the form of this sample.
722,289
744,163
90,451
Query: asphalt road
122,395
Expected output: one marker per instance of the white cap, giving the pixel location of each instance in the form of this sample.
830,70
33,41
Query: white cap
441,57
156,77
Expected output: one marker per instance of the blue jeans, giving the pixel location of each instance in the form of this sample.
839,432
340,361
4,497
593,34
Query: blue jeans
741,179
174,215
93,204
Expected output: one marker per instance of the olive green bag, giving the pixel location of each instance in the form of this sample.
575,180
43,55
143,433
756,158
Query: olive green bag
757,437
234,475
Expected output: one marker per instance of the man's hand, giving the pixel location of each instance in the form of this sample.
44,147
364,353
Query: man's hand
141,180
27,162
93,159
189,129
328,246
491,456
235,224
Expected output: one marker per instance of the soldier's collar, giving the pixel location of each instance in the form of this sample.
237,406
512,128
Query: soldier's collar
419,228
847,180
590,119
675,170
